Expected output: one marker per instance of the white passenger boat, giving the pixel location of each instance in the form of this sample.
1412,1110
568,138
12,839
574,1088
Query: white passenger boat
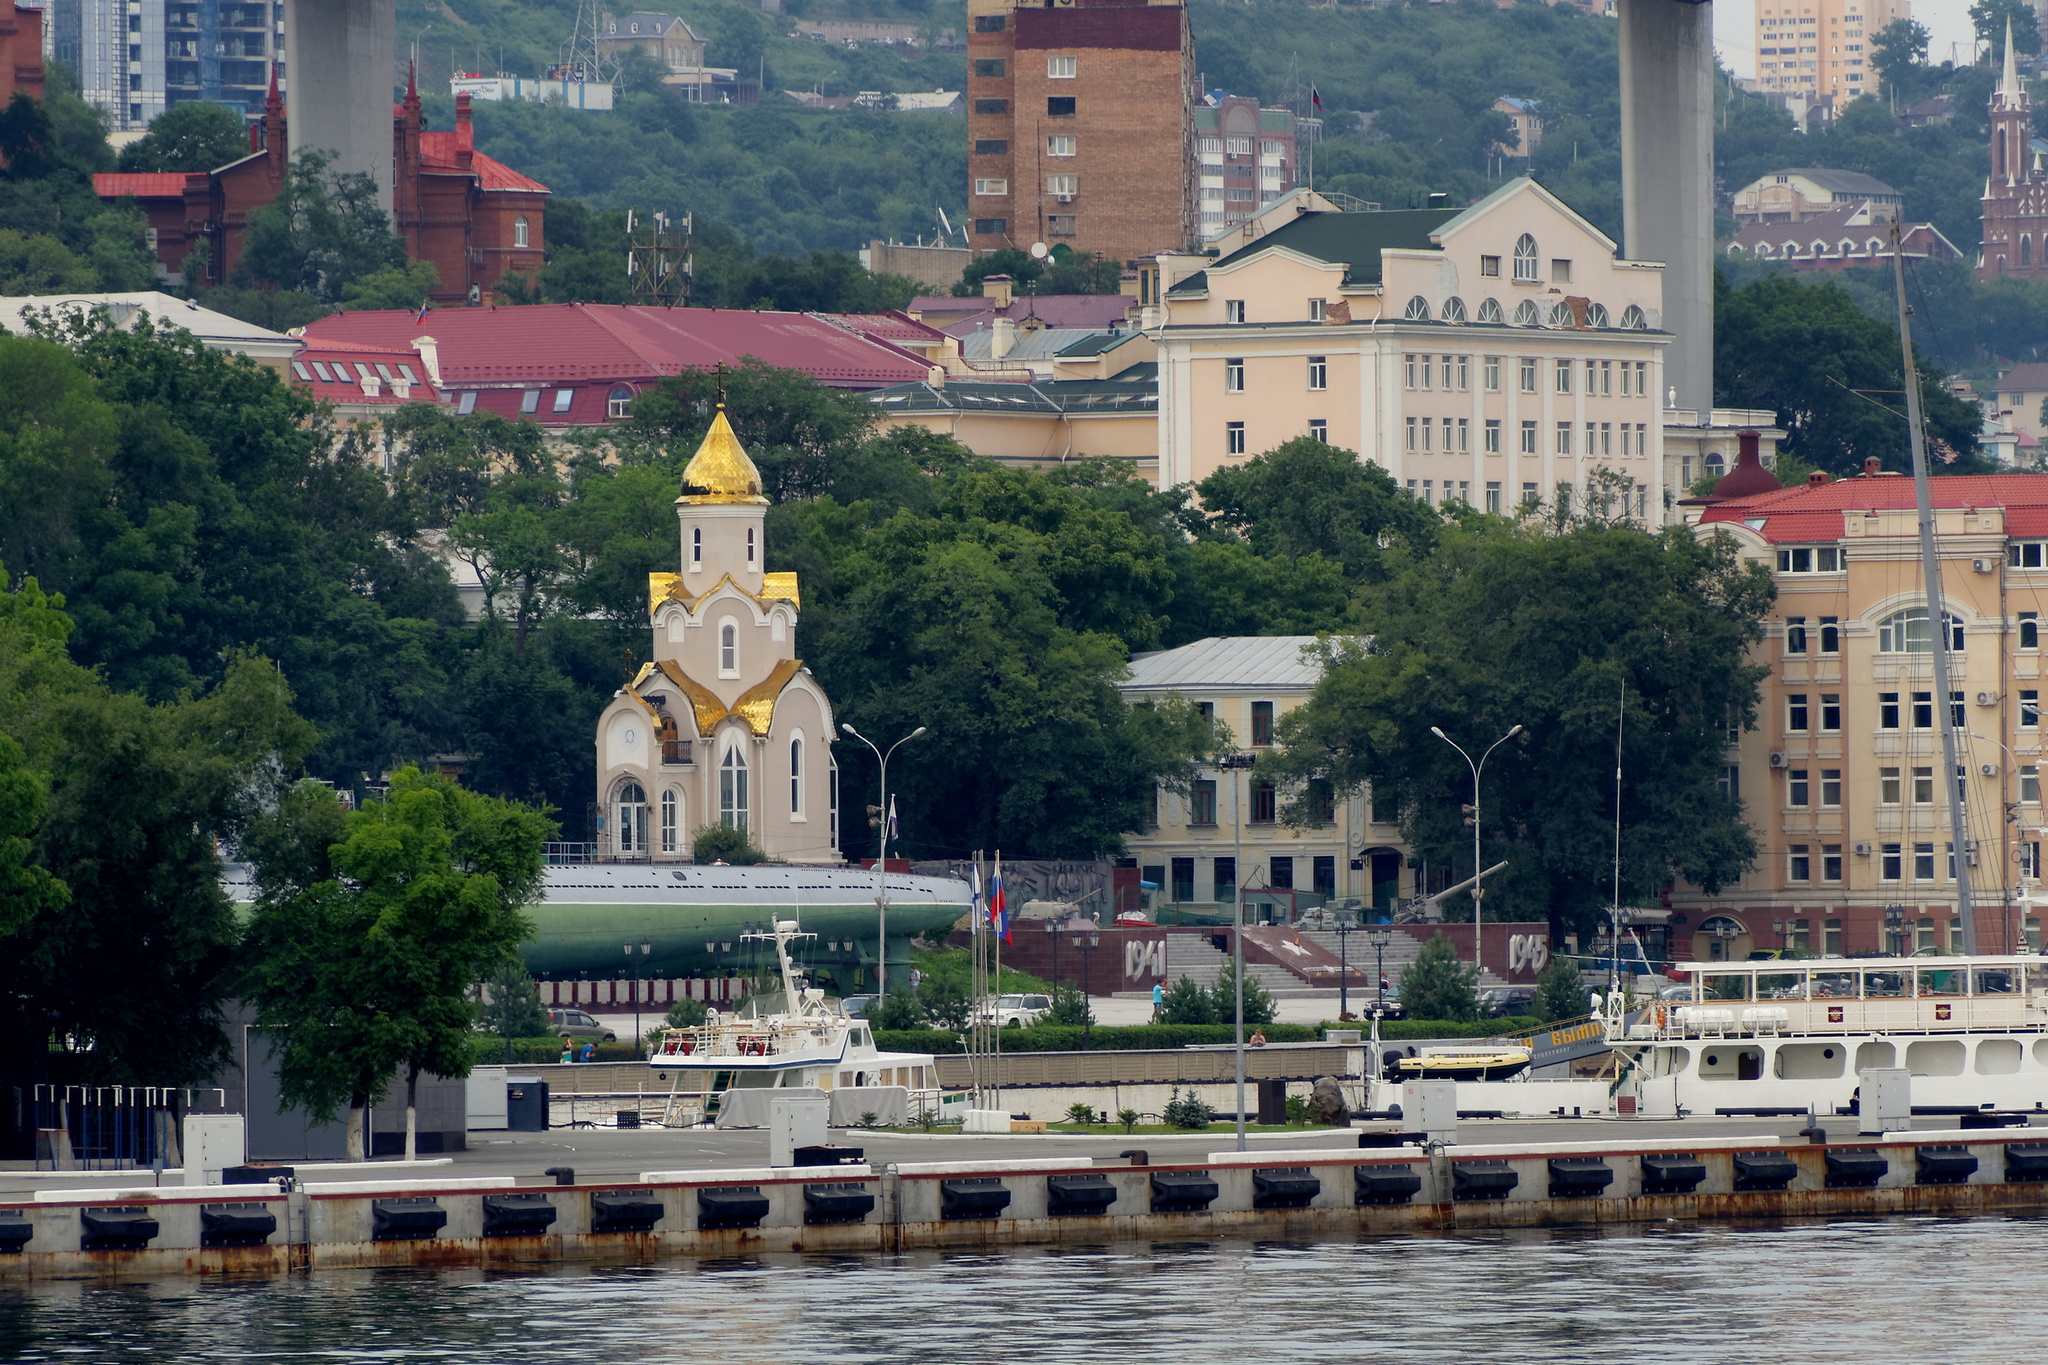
797,1039
1792,1035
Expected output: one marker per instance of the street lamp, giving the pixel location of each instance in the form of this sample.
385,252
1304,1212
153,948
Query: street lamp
1085,945
882,851
638,969
1237,763
1381,935
1052,936
1347,925
1478,889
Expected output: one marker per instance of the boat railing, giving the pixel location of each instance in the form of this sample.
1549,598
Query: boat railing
1880,1014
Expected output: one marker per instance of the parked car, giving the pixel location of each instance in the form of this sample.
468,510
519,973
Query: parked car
577,1024
1025,1009
1505,1001
1364,1002
857,1006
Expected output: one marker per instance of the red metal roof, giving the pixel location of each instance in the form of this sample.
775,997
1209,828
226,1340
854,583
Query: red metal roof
552,344
892,326
437,153
336,377
1091,311
1814,512
139,184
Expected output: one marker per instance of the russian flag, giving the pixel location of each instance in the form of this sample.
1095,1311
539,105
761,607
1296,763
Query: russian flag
998,909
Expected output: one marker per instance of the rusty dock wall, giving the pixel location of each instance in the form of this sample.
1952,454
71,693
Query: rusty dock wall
1339,1193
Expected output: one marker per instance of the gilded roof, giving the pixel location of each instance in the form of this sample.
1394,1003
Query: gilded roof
756,706
669,587
720,471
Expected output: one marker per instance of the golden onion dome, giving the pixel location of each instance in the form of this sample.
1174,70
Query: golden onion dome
720,471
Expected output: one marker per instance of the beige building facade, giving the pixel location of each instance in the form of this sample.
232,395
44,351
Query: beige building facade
1841,776
1821,48
1499,355
723,725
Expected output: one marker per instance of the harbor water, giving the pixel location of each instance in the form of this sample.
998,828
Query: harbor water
1894,1290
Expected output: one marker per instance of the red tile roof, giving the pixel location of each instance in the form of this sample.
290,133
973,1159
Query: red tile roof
437,153
567,343
1813,512
140,184
340,358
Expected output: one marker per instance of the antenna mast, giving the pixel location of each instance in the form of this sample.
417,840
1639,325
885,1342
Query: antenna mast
659,263
585,58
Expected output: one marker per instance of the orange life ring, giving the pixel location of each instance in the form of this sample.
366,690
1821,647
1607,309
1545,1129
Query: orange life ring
1660,1016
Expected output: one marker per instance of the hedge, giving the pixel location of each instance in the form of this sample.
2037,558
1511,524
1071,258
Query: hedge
1128,1038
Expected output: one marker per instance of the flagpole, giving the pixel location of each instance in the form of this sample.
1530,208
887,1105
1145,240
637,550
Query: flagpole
1001,931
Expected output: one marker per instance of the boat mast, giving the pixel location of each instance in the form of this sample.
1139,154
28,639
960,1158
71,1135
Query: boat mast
1937,620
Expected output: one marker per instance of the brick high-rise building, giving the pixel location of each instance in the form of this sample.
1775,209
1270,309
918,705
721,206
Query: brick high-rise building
21,51
1080,126
2016,192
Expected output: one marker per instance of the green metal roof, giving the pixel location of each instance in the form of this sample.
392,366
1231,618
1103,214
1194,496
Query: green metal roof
1353,239
1095,343
1068,396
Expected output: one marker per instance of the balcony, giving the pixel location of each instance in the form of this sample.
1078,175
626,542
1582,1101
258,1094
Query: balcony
678,753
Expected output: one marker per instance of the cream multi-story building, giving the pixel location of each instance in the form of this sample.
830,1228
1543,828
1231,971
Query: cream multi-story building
1841,776
725,725
1498,355
1226,832
1821,48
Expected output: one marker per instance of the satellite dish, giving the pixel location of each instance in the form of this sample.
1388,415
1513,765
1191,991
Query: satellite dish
1039,251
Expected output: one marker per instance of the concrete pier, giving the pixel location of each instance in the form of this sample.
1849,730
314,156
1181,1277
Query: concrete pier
1637,1173
1667,176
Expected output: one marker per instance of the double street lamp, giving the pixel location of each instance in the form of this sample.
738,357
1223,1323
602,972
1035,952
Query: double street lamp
882,851
1478,872
639,969
1347,925
1085,944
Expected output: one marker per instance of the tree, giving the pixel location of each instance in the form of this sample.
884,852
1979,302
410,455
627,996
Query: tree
1258,1002
1990,19
513,1008
325,231
1899,54
1069,1007
1436,985
1560,992
723,843
1310,498
371,971
687,1013
896,1010
944,1000
1187,1003
1080,272
194,135
1554,631
402,285
1807,351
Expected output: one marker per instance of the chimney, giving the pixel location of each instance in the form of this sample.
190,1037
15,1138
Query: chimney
465,133
997,289
1003,336
430,358
1872,466
1818,479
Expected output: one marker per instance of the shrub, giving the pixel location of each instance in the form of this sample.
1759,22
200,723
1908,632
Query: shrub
1186,1003
1560,992
1080,1113
1069,1008
687,1013
713,843
1297,1109
1186,1111
1129,1118
898,1009
1439,986
1258,1002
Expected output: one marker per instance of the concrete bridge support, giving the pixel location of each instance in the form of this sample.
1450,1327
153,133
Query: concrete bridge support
1667,175
340,60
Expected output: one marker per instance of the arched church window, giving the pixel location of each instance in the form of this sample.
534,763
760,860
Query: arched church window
732,789
629,817
696,548
728,649
671,819
796,777
750,547
2026,249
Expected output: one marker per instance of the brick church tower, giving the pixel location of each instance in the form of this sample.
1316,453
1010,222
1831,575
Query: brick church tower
2016,195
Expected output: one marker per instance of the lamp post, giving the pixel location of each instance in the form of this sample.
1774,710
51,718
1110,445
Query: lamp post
1478,889
882,851
1052,936
638,969
1381,935
1237,763
1347,925
1085,945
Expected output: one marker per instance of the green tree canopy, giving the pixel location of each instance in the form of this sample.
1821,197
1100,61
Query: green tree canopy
325,231
193,135
1436,985
1508,625
1990,19
1310,498
1560,991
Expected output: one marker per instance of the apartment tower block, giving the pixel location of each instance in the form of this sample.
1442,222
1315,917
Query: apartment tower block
1080,126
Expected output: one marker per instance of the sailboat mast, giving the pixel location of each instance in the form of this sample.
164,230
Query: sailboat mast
1937,620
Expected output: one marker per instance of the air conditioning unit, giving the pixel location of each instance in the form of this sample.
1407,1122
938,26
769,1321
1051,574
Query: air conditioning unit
1778,760
1987,699
1863,850
1983,565
1063,198
1988,769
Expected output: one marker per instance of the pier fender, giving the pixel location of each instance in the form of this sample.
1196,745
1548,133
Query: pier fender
837,1202
236,1225
1183,1191
1479,1180
1764,1170
1943,1165
1384,1185
1078,1195
1672,1172
1855,1168
407,1219
980,1196
116,1229
625,1210
1579,1177
731,1206
517,1215
15,1231
2026,1162
1284,1187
